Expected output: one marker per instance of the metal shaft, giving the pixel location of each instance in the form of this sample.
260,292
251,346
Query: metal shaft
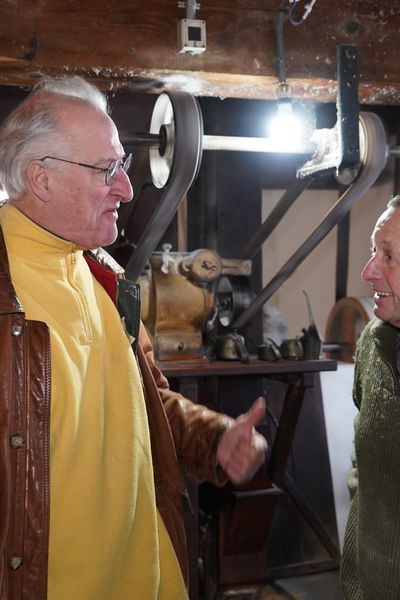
252,144
228,142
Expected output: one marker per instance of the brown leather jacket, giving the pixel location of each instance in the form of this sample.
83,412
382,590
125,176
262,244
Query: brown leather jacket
183,435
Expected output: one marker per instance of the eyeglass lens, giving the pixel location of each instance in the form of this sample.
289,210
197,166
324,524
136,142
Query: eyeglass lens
115,168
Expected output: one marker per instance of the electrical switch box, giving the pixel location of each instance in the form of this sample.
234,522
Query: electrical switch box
191,36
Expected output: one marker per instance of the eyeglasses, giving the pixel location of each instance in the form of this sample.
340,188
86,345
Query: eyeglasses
111,172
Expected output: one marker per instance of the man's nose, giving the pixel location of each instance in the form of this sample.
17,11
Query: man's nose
371,270
123,187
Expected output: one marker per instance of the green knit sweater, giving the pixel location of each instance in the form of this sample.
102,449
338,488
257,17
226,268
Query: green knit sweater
371,554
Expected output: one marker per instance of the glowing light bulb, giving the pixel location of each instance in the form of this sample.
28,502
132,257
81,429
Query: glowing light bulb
285,128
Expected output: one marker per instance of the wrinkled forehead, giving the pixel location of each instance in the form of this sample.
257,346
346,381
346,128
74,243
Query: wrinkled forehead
84,126
388,225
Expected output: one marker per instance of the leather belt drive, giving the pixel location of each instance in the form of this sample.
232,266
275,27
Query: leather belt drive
174,166
374,153
176,143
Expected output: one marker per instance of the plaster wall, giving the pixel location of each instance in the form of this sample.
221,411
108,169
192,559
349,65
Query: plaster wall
316,275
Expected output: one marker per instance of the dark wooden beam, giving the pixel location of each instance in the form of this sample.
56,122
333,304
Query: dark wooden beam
133,45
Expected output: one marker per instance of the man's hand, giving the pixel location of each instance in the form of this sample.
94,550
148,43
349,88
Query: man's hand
241,450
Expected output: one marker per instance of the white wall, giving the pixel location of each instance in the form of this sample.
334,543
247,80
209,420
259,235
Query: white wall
317,273
339,413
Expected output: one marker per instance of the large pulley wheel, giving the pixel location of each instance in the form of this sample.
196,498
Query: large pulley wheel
174,165
178,122
374,152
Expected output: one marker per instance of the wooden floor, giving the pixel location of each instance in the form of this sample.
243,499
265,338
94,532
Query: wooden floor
320,586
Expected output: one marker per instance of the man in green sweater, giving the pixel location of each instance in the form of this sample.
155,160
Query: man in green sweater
371,553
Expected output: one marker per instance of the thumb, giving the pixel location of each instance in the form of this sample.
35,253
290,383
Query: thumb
255,414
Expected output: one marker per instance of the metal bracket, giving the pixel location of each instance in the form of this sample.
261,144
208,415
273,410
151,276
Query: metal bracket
338,149
348,107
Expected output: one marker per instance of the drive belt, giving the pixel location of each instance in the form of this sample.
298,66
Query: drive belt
374,156
184,166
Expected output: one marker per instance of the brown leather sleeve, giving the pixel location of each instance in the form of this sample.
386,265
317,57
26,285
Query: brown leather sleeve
195,429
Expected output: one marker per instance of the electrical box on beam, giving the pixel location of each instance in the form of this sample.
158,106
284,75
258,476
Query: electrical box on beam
191,36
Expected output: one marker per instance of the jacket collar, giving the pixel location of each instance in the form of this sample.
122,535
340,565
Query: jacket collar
9,302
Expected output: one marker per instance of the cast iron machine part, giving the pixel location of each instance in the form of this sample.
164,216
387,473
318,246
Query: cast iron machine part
178,298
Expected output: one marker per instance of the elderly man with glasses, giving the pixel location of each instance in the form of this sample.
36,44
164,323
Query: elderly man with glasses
93,441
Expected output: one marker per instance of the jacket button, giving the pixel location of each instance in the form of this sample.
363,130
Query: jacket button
16,329
15,562
17,441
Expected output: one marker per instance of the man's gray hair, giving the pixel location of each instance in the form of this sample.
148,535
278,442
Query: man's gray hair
33,130
394,202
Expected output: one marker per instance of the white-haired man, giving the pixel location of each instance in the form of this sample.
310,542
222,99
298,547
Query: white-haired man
93,441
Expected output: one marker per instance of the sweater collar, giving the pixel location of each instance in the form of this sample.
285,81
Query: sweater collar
31,241
385,338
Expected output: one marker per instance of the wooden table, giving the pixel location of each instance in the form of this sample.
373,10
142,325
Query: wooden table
297,376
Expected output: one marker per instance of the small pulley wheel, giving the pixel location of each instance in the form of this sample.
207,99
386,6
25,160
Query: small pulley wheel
233,295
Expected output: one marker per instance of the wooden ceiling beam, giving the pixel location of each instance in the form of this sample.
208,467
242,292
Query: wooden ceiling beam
133,45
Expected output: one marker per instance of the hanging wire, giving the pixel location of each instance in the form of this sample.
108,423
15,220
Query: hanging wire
281,17
307,10
286,12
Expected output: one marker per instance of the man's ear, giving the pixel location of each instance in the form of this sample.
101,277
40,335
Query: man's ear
38,179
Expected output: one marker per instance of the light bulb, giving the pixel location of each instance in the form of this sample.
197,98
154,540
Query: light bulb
285,128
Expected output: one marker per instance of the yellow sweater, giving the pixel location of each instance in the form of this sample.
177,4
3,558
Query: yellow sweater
107,541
